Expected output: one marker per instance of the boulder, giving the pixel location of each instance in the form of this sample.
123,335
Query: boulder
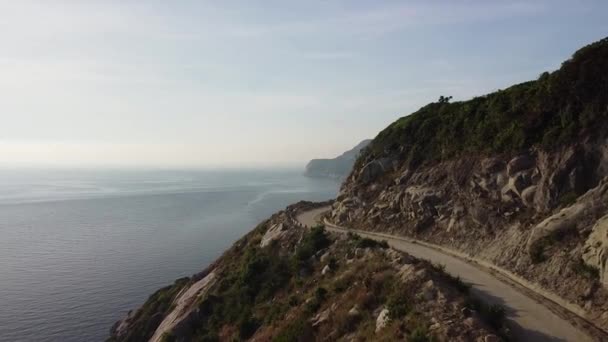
590,206
382,320
326,270
320,318
519,163
562,221
354,311
325,257
595,251
527,196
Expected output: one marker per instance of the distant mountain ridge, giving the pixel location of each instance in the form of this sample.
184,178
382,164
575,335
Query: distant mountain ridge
336,168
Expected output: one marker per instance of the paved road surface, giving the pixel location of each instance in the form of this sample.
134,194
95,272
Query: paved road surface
528,319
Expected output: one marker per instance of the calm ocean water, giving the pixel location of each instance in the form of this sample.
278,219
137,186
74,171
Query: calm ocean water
78,249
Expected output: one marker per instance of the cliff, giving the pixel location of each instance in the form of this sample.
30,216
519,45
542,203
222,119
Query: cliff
337,168
284,282
517,177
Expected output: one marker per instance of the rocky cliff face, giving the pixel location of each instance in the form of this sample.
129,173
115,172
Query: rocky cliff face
537,209
336,168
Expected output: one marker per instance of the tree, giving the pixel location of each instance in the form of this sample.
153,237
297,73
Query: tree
444,99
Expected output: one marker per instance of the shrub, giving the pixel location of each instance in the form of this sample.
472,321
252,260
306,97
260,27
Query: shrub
296,331
494,315
398,306
537,253
247,327
587,271
313,241
419,334
364,242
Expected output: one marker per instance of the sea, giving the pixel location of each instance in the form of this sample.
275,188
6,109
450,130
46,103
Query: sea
80,248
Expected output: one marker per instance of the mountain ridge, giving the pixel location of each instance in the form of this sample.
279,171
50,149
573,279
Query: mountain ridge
518,178
335,168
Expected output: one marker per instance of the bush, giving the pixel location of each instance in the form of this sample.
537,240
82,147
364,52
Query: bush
587,271
316,302
398,306
247,327
296,331
313,241
420,334
370,243
494,315
537,253
364,242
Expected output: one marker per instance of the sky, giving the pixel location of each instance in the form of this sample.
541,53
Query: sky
255,83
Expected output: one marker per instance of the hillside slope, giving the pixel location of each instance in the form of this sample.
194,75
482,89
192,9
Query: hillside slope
336,168
517,177
283,282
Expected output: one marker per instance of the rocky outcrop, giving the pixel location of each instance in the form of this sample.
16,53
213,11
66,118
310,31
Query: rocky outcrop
595,251
575,217
530,213
382,319
336,168
183,308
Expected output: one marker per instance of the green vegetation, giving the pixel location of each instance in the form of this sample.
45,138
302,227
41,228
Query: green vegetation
553,110
254,278
364,242
251,281
315,240
420,334
493,314
158,305
296,331
587,271
398,306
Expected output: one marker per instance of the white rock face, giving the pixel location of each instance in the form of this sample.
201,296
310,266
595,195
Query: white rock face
595,252
354,311
591,205
326,270
272,234
382,319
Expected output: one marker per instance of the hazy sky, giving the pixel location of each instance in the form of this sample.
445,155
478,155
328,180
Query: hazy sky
252,83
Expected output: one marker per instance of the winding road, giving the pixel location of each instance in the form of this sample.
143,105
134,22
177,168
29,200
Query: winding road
528,319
